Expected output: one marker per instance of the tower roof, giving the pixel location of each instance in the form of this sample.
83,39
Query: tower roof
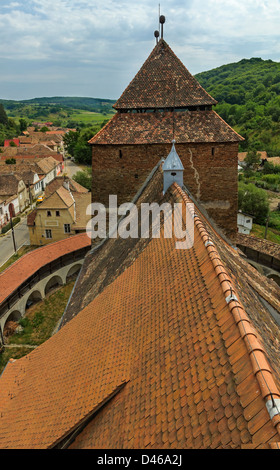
160,127
173,161
163,82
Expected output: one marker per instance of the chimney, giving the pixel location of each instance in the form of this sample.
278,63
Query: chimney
172,169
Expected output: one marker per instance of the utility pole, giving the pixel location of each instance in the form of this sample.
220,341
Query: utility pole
30,197
266,227
13,234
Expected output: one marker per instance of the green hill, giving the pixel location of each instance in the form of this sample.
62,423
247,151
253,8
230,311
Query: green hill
62,111
248,93
90,104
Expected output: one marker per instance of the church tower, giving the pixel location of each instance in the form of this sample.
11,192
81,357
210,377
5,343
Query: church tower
164,102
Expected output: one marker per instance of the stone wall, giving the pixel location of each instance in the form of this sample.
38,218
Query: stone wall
210,174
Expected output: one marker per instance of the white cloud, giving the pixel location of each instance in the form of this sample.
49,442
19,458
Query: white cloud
113,38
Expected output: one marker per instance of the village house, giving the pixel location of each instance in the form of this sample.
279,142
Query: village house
11,142
29,174
244,222
14,195
60,215
35,151
3,218
36,173
23,182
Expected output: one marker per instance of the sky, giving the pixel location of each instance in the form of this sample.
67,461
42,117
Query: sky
94,48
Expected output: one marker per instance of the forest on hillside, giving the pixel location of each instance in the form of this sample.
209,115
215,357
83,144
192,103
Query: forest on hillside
248,95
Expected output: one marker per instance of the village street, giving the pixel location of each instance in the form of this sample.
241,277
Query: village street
71,168
6,241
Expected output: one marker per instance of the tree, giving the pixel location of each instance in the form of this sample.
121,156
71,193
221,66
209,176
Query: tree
22,125
3,116
82,153
10,161
253,201
77,145
44,129
252,160
84,178
70,140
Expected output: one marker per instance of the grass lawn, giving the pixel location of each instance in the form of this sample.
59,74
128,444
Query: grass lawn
272,235
88,117
38,324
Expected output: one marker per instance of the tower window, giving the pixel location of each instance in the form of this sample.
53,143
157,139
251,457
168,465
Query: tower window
213,151
120,153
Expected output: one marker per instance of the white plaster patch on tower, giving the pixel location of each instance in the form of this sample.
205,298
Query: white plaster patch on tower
196,175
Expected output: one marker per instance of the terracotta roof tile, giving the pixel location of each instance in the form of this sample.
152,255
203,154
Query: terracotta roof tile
154,84
154,128
161,343
9,184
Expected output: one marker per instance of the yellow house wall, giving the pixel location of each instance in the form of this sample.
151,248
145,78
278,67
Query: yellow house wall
53,223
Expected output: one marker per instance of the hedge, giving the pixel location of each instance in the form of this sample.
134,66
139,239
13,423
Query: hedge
7,227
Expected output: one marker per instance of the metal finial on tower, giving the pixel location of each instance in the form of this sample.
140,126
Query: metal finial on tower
162,21
156,34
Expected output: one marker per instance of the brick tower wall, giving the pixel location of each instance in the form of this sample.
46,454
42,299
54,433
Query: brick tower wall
210,174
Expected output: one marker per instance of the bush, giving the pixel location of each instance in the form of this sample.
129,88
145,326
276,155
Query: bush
84,178
37,319
274,220
24,322
7,227
272,178
253,201
269,168
262,184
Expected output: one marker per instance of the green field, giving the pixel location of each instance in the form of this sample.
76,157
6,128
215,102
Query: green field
89,117
64,118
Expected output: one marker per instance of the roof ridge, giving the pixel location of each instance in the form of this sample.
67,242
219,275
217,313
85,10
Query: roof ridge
59,195
166,44
102,129
248,333
240,136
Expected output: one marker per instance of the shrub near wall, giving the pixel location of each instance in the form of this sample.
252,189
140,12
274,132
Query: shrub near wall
7,227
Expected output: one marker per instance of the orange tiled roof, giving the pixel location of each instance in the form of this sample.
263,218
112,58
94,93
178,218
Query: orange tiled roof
163,81
178,363
154,128
29,263
243,155
274,160
59,181
259,244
